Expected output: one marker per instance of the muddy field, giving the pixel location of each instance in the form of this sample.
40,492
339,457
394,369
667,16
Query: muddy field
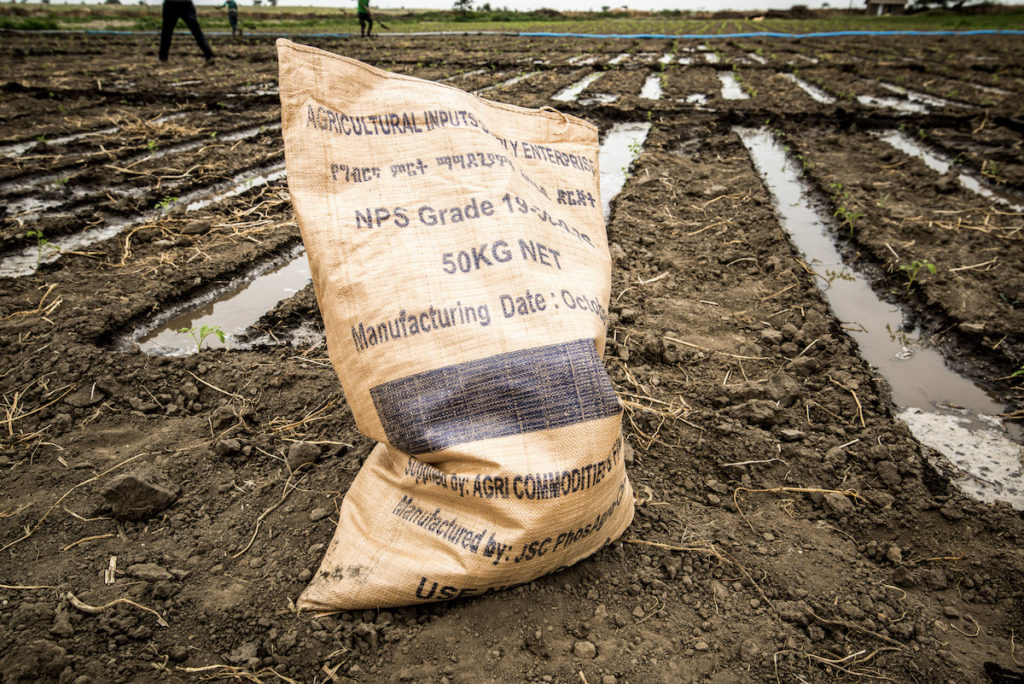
789,526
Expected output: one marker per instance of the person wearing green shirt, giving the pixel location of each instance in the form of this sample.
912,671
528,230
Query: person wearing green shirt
232,16
365,20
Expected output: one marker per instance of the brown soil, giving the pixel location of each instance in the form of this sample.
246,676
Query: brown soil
788,527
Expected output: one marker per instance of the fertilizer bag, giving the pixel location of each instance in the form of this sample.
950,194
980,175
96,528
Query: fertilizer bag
461,266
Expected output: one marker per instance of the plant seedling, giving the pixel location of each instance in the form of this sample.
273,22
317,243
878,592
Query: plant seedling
166,203
849,217
42,244
200,334
1018,372
912,269
151,145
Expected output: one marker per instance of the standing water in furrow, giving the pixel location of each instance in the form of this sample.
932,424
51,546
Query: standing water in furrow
943,410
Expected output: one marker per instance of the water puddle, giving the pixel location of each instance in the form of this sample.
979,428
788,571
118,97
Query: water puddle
652,88
685,60
306,335
233,308
19,148
915,96
582,60
943,410
30,208
243,182
757,58
666,59
622,144
570,93
942,164
698,99
597,98
731,89
990,90
506,83
618,59
892,103
258,90
464,74
816,93
712,58
27,260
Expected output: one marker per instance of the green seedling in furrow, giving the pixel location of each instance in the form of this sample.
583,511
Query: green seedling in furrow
804,164
990,169
912,270
166,202
1017,373
199,335
42,244
838,193
151,145
849,217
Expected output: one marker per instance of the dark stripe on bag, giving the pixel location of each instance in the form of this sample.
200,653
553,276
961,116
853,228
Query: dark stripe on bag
509,394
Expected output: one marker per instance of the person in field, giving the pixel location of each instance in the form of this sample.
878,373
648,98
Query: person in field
232,16
365,20
181,9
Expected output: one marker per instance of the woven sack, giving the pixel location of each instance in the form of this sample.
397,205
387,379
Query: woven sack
461,266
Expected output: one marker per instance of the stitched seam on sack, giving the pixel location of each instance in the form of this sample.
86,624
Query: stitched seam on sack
551,116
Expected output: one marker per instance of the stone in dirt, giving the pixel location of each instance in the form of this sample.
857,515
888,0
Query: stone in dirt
749,650
803,366
151,572
791,435
140,494
797,612
889,474
319,513
227,447
199,227
84,396
301,453
838,503
756,412
584,649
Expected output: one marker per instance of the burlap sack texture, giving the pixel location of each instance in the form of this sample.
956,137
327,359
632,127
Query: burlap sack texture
461,265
